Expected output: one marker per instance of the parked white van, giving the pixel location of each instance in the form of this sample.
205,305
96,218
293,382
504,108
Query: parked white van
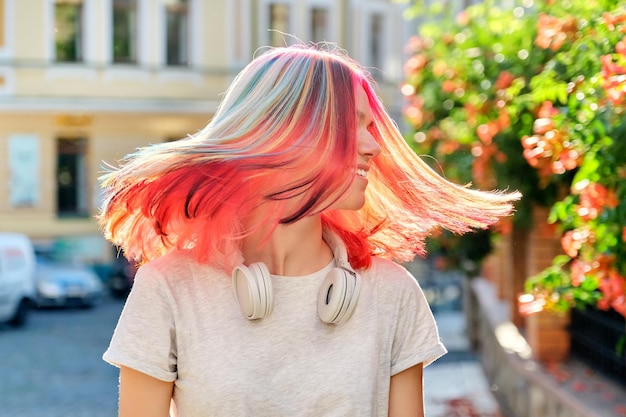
17,277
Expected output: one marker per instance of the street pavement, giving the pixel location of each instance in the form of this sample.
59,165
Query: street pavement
455,385
53,366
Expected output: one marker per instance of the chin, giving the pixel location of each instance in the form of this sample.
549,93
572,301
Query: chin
353,200
352,205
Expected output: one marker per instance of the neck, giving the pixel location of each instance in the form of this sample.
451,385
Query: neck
291,250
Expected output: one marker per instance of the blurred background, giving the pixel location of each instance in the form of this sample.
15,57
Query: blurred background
511,94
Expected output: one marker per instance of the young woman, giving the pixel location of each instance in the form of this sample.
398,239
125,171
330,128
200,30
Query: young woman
268,241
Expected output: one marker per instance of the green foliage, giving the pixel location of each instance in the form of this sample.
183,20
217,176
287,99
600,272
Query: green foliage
532,97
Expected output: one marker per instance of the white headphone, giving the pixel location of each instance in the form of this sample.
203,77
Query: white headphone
336,300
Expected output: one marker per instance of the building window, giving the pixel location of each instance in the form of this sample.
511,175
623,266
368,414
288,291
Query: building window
279,24
177,32
71,177
319,24
68,30
125,31
376,33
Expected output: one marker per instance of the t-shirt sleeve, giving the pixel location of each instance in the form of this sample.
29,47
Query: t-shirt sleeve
416,339
145,336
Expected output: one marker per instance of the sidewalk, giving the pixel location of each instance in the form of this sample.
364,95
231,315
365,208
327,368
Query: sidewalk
455,385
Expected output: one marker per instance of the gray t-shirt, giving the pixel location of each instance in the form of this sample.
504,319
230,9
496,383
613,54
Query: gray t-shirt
182,323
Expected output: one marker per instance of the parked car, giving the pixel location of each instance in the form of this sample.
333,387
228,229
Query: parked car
65,285
17,285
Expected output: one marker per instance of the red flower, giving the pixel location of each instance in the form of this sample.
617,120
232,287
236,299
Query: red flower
578,270
613,287
614,80
463,18
504,120
609,68
619,305
620,47
612,22
415,44
553,32
450,86
505,79
594,198
440,68
573,240
547,110
414,64
549,150
487,131
529,304
543,125
414,111
482,167
448,147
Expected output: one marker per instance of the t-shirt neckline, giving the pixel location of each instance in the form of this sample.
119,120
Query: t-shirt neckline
322,272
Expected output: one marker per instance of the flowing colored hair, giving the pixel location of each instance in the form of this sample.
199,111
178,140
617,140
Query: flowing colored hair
282,146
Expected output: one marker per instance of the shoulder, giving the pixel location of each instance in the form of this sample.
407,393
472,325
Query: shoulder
389,280
172,260
394,281
177,267
388,271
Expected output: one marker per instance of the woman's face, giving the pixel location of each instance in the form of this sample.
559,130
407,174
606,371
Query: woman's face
354,198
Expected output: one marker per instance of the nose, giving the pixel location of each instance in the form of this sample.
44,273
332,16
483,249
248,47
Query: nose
368,147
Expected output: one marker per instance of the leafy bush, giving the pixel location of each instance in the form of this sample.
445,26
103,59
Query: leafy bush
532,96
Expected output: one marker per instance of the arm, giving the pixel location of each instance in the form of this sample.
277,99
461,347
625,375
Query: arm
406,396
142,395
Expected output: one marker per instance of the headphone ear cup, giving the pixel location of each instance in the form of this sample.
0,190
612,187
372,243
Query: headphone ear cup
338,296
353,298
253,290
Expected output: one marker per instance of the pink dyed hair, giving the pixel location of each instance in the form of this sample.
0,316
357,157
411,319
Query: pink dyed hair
283,140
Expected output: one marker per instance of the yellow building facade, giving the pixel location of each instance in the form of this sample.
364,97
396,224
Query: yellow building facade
85,82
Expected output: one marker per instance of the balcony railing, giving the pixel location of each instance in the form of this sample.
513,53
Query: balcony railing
599,340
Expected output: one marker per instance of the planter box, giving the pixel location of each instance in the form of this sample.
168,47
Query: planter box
548,336
599,340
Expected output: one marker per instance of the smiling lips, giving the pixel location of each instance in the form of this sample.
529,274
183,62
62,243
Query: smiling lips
361,173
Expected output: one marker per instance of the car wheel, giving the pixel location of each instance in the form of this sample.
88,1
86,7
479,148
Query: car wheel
21,314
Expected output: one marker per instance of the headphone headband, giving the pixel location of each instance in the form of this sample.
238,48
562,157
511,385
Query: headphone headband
339,250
